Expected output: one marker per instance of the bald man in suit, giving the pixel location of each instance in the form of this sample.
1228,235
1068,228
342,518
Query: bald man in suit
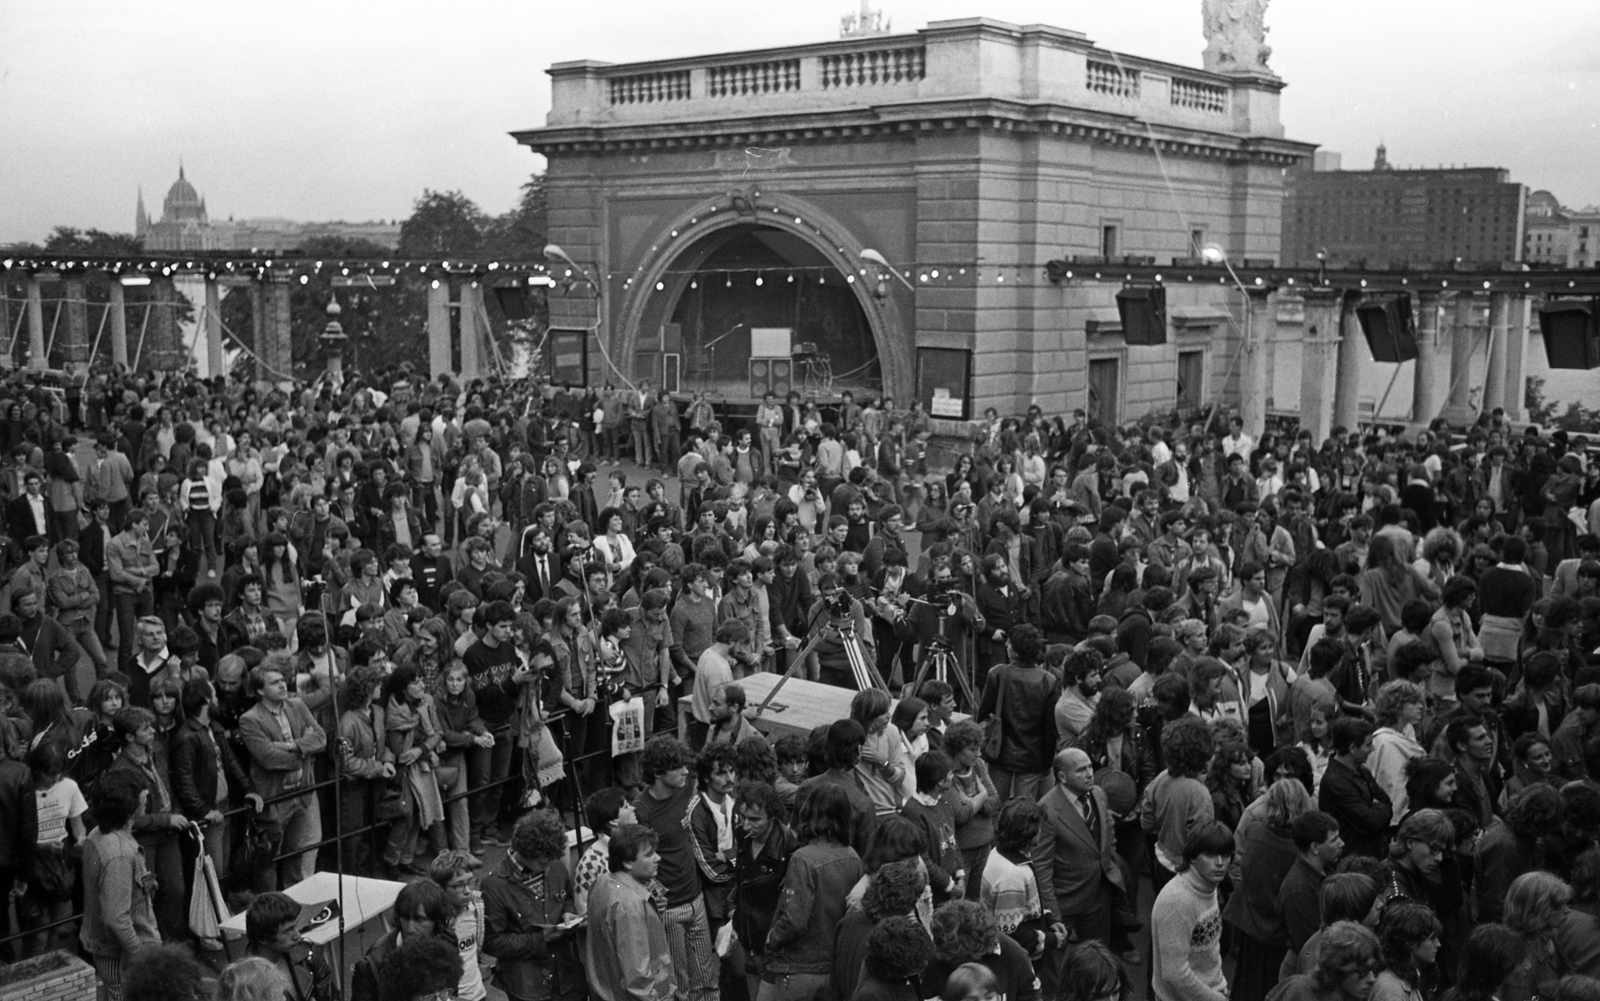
1076,865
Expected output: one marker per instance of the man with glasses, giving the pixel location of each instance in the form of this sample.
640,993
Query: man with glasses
456,871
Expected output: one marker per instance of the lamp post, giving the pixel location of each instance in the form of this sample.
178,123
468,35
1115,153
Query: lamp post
1253,376
333,340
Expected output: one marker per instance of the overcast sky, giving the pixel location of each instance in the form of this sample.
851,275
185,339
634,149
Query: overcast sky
348,109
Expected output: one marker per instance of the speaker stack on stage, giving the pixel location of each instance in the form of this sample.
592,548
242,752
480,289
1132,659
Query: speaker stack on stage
1143,310
771,364
1571,329
1389,328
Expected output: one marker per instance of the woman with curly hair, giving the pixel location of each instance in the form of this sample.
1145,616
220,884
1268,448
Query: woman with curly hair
1439,556
1409,933
528,903
1112,739
898,951
1536,909
973,799
364,762
966,932
896,891
1399,707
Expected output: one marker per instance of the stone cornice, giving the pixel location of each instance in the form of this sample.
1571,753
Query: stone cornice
993,114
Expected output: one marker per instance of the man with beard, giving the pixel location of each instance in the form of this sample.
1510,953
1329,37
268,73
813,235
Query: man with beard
1000,604
542,567
790,597
1080,693
890,522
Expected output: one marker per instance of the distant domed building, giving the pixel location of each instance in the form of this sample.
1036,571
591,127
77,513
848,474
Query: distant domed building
185,225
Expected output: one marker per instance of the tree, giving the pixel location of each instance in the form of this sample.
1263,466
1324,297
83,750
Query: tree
443,223
67,240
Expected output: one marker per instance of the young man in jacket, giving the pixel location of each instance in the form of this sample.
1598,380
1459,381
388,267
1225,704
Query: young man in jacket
283,738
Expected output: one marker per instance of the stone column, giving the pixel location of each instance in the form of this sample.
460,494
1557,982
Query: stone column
438,329
1352,363
213,329
163,347
273,333
1319,362
1494,383
75,339
36,352
1426,395
469,303
1458,411
5,321
118,306
1261,325
1517,359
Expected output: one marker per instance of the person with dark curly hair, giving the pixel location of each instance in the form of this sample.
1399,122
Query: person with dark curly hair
897,889
1509,849
366,764
1177,801
966,932
711,821
166,973
424,969
898,951
529,910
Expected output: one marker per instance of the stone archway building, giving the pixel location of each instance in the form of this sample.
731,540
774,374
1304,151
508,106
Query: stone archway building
967,155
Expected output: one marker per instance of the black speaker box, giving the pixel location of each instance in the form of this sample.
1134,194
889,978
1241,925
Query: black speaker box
1143,309
1390,331
1571,329
514,302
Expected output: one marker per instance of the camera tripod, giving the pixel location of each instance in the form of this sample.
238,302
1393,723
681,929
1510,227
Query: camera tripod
941,662
862,669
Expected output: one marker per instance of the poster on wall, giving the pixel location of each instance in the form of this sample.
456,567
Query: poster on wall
944,382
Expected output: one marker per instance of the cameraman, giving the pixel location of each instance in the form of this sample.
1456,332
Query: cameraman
946,614
830,664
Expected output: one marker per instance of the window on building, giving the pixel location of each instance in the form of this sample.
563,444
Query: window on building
1108,241
1104,389
1197,240
1191,378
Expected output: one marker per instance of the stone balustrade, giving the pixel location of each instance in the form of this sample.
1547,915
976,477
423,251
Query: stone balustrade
949,61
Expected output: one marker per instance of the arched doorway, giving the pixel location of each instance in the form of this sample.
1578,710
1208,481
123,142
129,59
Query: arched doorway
728,280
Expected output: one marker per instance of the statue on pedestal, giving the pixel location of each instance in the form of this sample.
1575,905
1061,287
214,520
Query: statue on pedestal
1236,36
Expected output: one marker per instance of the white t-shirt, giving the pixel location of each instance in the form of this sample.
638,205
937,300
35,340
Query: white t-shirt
56,805
467,932
1259,615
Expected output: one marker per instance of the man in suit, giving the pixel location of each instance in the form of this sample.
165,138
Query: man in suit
1000,606
541,566
30,514
1077,868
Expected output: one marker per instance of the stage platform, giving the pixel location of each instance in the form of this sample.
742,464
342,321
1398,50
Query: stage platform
800,707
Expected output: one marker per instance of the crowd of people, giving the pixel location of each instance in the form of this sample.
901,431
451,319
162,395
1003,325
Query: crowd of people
1337,705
